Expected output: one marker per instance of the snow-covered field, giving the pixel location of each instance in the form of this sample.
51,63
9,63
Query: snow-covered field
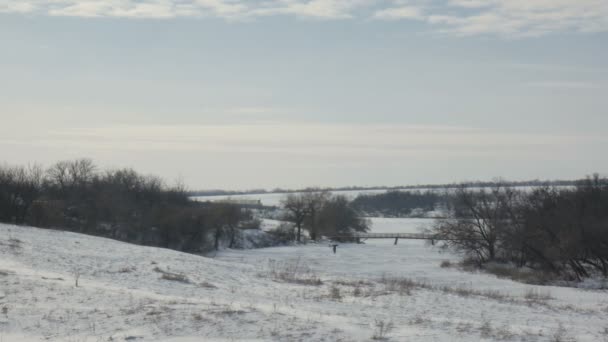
133,293
274,199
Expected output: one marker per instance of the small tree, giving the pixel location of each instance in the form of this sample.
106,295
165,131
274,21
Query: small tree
296,211
339,218
314,203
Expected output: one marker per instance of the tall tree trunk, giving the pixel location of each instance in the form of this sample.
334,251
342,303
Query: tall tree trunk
299,225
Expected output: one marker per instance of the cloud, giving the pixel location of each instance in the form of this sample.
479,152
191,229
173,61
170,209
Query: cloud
526,17
396,13
323,9
563,85
510,18
320,139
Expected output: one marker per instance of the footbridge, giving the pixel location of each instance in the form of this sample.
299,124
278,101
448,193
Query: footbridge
359,237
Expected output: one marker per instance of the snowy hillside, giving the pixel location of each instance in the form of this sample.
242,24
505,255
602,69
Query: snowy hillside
306,293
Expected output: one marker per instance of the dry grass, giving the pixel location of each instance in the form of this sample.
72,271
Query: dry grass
294,272
207,285
127,269
522,275
536,295
381,330
470,292
334,293
402,286
561,335
14,245
178,277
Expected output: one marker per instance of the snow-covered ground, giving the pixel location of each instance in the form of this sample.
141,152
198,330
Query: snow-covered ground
303,293
274,199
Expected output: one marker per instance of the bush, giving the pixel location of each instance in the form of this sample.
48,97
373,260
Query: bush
284,233
445,264
557,231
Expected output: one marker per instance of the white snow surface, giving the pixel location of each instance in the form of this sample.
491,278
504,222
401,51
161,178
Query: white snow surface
274,199
122,296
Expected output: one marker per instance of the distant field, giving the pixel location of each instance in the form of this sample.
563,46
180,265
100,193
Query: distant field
274,199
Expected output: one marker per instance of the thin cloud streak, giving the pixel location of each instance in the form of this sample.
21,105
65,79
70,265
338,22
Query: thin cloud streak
305,139
564,85
305,154
509,18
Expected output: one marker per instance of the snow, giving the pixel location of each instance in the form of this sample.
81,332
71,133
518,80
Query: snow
235,296
274,199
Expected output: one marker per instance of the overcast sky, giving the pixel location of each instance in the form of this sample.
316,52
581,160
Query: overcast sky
239,94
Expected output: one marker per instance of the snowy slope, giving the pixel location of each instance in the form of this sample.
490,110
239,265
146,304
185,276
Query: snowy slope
134,293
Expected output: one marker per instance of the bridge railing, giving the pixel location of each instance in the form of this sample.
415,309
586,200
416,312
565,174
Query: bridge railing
411,236
418,236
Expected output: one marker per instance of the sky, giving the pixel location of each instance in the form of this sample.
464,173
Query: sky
235,94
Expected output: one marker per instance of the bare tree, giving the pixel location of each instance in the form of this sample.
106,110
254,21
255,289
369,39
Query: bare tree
477,221
296,208
314,202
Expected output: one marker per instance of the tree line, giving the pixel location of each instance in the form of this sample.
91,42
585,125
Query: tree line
398,203
560,230
320,213
122,204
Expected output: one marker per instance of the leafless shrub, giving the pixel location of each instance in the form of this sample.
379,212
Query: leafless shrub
418,320
207,285
445,264
604,333
536,295
176,277
127,269
503,333
293,272
231,312
561,335
381,330
14,245
357,285
464,327
198,317
486,329
523,275
403,286
353,283
493,294
334,293
76,278
166,275
469,292
357,291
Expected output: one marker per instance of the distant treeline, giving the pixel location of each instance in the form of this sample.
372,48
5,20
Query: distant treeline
482,184
559,230
398,203
120,204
